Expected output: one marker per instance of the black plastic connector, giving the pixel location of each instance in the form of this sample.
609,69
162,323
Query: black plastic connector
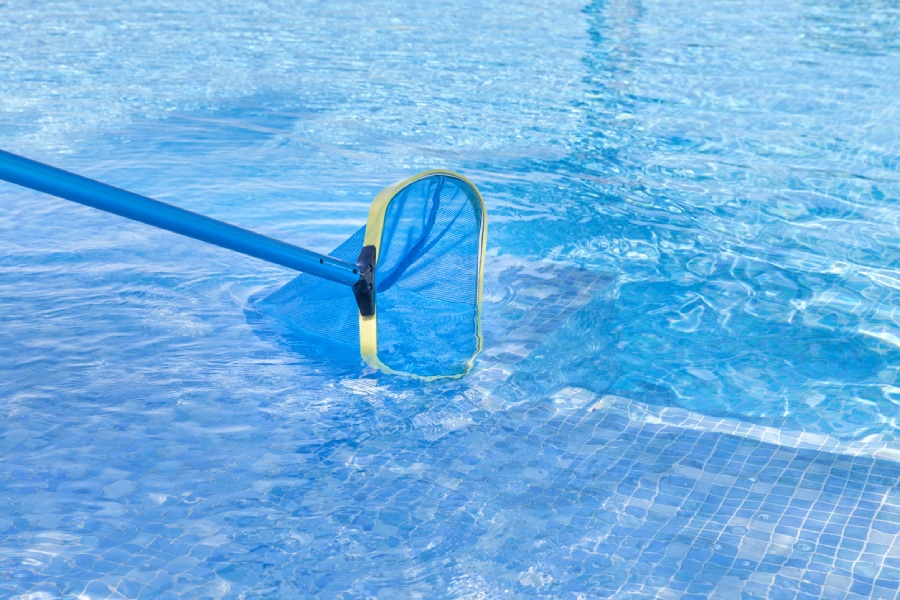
364,289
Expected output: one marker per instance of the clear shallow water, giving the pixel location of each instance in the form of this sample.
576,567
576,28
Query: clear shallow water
724,176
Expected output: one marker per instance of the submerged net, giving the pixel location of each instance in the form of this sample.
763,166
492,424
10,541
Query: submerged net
429,233
318,308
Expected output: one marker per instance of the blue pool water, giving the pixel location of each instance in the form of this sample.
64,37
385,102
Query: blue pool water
689,386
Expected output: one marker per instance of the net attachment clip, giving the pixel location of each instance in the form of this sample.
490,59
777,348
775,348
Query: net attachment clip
364,289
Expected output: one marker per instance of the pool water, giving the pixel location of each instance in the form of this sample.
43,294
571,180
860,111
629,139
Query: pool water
689,387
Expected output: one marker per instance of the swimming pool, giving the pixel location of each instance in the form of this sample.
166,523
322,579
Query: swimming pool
689,384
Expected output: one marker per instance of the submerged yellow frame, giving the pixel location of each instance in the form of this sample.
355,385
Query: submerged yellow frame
368,326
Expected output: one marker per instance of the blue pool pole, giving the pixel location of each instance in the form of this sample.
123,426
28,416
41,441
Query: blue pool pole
56,182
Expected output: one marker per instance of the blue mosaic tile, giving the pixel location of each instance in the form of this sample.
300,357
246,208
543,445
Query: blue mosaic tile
575,492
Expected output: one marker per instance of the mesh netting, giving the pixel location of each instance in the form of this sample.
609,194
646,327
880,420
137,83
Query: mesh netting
428,276
427,282
320,307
